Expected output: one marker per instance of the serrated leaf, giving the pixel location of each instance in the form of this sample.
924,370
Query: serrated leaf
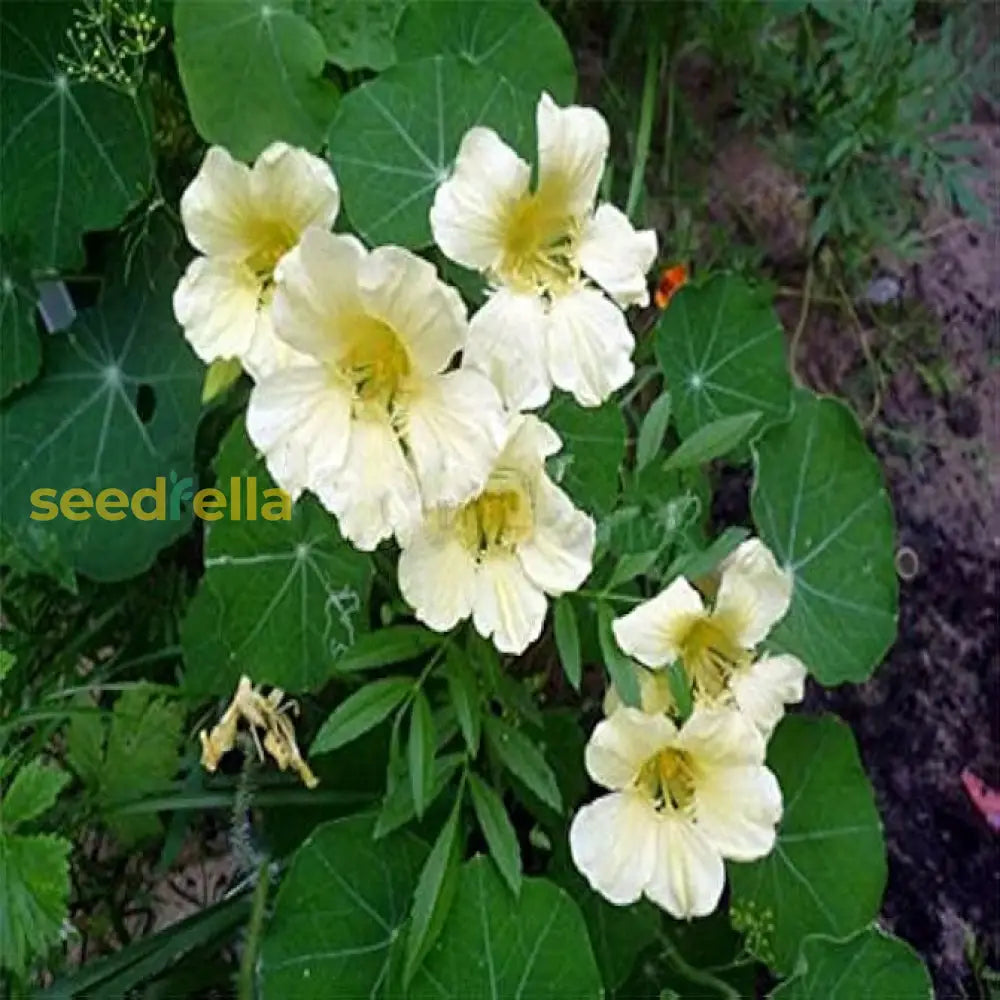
398,807
280,600
386,646
252,72
712,440
358,33
653,430
722,351
117,407
820,504
501,837
393,141
515,38
463,690
533,947
593,449
434,894
364,886
871,965
524,760
34,896
420,752
75,154
361,711
32,792
20,350
622,671
827,871
567,631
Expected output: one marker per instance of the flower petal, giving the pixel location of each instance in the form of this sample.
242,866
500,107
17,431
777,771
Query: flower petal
268,353
613,842
294,187
623,742
437,575
529,442
559,554
721,737
217,303
617,257
737,810
763,689
507,606
316,299
453,426
653,631
689,874
217,207
572,147
754,591
471,207
404,292
375,493
507,344
302,424
588,346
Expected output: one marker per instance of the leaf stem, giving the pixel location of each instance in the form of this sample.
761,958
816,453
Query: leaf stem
254,931
607,595
645,129
694,975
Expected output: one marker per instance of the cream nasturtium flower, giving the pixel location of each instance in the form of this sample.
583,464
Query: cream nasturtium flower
371,421
497,556
680,801
545,324
716,643
244,220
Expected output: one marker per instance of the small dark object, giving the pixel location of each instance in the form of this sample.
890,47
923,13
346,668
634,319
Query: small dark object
963,417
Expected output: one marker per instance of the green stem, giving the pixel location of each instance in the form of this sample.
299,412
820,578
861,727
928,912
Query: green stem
694,975
645,130
607,595
254,931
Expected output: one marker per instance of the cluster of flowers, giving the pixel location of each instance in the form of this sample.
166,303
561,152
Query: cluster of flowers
358,399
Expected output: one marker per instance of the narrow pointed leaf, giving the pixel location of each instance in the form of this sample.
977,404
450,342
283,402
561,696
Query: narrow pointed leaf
498,831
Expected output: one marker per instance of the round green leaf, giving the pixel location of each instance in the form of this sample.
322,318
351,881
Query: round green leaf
116,407
827,871
872,965
253,73
280,600
75,155
358,33
339,915
819,501
593,448
492,945
722,350
20,350
515,38
393,140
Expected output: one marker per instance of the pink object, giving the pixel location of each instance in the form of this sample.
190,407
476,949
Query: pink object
984,798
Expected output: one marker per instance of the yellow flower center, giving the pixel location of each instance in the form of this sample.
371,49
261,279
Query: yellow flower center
539,246
271,239
375,363
667,779
500,517
711,654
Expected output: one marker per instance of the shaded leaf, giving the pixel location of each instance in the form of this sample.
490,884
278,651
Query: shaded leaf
653,430
32,792
712,440
421,752
358,33
463,690
361,711
498,831
622,671
524,760
393,644
20,350
567,631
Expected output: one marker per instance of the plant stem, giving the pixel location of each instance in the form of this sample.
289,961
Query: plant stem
801,325
645,129
602,595
694,975
254,930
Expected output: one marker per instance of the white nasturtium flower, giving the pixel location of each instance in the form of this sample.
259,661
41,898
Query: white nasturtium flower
244,220
716,643
371,421
680,801
497,556
544,323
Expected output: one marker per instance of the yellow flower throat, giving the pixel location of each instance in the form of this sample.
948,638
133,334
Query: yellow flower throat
711,654
375,363
270,239
539,245
667,779
500,517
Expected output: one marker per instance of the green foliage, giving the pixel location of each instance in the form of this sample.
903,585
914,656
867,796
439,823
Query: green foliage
827,872
280,600
236,55
78,157
124,758
34,870
819,501
20,350
358,33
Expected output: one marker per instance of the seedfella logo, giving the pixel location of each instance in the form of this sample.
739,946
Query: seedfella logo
242,502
